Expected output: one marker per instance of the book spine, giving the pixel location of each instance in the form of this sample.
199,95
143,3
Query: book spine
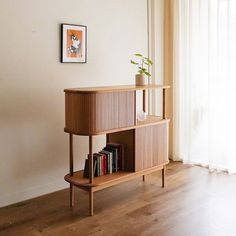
101,165
95,167
98,165
111,164
114,163
104,164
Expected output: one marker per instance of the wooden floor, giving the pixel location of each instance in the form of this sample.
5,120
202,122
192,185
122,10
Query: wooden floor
193,203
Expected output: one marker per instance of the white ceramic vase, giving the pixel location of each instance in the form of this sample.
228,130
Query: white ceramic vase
140,80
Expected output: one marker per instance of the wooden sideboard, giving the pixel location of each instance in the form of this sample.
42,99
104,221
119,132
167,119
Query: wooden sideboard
111,110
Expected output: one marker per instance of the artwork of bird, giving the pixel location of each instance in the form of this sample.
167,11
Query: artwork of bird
75,47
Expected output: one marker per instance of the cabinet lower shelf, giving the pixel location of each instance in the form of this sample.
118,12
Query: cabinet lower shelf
108,180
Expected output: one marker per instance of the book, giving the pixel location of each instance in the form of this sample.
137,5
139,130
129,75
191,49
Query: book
114,158
86,168
110,158
102,164
107,159
95,158
98,157
120,152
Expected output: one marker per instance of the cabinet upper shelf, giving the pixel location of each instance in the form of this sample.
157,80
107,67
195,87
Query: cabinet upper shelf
151,120
119,88
97,110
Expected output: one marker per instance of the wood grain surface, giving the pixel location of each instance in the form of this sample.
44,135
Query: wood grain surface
151,146
151,120
118,88
96,113
194,202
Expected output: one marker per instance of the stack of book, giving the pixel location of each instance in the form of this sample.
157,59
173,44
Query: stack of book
107,161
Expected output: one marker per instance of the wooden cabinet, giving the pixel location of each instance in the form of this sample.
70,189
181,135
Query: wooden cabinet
91,113
151,146
112,111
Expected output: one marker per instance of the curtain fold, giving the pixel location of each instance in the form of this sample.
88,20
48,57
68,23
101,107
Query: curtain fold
204,78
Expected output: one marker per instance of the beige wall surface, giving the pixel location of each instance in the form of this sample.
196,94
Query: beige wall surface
33,146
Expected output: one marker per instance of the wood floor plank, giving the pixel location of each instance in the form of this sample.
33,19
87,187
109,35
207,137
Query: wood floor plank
194,202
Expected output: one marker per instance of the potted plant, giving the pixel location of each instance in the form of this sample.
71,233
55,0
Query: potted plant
143,63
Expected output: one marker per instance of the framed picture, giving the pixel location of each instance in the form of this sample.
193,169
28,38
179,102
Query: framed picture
73,43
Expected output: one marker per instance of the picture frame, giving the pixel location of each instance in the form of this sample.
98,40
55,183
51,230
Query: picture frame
73,43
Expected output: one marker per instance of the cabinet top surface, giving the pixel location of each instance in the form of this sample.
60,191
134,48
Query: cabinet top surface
119,88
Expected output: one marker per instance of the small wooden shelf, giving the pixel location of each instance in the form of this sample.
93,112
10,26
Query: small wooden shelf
111,110
108,180
112,89
151,120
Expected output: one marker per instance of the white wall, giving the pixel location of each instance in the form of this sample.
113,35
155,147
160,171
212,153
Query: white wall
33,146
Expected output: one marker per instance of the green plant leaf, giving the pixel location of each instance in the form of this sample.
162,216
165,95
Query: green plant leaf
149,61
133,62
138,55
142,69
146,73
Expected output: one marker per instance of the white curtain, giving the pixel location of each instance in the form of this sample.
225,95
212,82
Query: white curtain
205,83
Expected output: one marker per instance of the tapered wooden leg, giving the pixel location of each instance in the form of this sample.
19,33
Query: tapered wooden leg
91,202
72,192
91,174
144,100
164,104
91,170
71,170
163,177
143,178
